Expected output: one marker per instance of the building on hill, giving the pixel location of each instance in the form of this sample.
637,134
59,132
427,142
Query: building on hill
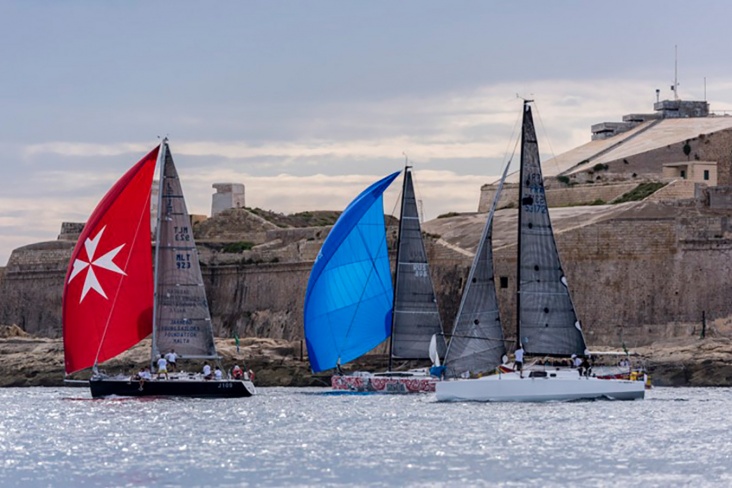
681,141
228,195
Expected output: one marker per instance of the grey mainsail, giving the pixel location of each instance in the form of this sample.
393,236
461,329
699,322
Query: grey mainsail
182,320
416,318
476,343
547,323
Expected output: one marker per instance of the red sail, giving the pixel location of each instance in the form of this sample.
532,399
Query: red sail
108,291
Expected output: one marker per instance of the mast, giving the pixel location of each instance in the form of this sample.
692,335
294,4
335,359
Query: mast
396,273
161,164
518,241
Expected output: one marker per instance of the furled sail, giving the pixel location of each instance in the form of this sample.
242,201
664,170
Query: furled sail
476,344
416,318
547,324
182,317
349,298
108,290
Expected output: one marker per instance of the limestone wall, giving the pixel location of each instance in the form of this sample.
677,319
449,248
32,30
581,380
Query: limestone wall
31,288
720,197
642,275
259,301
556,197
677,190
633,279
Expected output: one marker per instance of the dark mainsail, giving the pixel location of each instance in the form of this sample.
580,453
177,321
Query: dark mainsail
182,320
477,343
546,320
416,317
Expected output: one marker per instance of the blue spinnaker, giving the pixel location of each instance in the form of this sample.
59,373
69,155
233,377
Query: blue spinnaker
349,300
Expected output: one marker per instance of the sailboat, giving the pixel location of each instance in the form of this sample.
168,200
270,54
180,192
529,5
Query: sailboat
351,305
546,322
115,296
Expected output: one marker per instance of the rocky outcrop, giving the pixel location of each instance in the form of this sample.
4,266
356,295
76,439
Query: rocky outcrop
32,361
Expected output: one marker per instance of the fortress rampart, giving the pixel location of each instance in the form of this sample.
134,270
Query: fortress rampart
641,273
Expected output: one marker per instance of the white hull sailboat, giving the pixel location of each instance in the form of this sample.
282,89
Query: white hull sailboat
546,322
548,386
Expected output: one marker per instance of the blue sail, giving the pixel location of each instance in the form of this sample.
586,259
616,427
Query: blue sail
349,300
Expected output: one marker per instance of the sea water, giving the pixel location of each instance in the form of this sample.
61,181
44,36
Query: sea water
313,437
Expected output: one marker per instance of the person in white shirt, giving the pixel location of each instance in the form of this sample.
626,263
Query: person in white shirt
145,374
218,374
577,361
171,357
519,361
162,367
206,371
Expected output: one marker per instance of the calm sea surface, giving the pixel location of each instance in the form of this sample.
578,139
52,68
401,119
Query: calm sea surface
309,437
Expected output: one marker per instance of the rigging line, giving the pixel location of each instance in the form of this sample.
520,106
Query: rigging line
417,196
548,141
119,284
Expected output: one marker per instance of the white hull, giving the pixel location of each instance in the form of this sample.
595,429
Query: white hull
563,386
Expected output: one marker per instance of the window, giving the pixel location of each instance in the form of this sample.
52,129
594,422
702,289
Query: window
706,174
504,281
683,173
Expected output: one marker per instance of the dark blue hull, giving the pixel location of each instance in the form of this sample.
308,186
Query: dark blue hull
179,388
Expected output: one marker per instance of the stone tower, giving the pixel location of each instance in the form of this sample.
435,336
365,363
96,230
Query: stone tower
228,195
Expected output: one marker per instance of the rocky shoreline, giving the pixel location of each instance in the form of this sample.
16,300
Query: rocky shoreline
31,361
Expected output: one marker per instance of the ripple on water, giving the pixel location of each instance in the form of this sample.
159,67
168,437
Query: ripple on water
60,437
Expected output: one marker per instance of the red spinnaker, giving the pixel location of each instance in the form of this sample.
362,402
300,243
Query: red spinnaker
108,291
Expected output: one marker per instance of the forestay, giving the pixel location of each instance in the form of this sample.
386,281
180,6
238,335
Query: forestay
548,324
416,318
349,299
182,317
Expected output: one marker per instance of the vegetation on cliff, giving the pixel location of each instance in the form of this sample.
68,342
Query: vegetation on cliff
640,192
319,218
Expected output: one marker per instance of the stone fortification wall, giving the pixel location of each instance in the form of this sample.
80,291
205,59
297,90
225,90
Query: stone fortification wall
633,279
714,147
678,190
719,197
70,231
288,236
258,301
641,274
556,197
31,288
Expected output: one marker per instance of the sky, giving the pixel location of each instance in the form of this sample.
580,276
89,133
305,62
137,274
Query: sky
308,102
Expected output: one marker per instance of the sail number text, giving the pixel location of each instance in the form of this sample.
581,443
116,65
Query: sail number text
183,260
420,270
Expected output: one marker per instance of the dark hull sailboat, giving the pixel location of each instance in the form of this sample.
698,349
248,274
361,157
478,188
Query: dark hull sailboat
197,388
123,297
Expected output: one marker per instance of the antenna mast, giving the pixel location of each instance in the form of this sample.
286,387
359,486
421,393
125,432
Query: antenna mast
676,72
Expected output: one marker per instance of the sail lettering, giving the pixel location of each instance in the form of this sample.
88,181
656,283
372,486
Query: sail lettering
183,261
420,270
182,234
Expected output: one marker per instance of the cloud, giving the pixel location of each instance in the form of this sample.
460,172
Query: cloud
329,152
